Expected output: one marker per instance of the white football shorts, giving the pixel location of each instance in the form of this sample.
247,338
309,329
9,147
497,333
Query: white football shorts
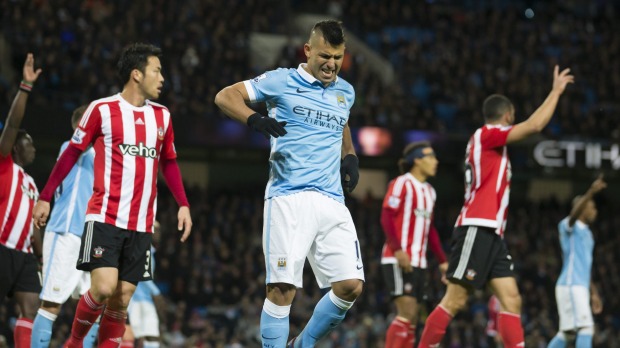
143,319
60,277
313,225
573,307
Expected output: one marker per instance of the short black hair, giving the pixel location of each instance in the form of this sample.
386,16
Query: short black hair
403,164
77,114
495,106
135,56
331,30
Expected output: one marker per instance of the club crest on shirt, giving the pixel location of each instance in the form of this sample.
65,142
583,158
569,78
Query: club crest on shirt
342,102
98,252
160,133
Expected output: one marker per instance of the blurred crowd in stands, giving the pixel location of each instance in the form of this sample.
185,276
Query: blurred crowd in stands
447,58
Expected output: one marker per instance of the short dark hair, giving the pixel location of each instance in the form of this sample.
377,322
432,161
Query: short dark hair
77,114
331,30
135,56
495,106
405,165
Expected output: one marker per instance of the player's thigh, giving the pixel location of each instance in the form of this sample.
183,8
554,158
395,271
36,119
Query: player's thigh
135,264
472,256
143,319
60,276
507,293
289,230
335,254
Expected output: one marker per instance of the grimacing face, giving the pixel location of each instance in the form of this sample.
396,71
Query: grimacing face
324,60
152,80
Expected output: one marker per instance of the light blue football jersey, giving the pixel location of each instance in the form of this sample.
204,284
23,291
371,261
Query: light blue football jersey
308,157
577,247
71,197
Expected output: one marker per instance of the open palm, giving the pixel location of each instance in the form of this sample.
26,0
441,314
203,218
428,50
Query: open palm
30,75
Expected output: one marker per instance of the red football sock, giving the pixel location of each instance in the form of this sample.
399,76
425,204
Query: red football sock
86,314
435,327
397,334
22,333
111,328
510,328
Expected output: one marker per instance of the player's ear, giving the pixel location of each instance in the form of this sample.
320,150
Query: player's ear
136,75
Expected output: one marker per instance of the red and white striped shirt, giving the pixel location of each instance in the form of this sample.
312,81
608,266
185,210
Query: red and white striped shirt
412,203
487,179
18,194
129,142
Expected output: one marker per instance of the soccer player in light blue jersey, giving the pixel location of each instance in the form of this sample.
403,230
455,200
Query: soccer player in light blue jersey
574,289
311,161
61,245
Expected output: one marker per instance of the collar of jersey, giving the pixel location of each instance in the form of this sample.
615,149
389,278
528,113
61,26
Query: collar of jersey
309,78
131,106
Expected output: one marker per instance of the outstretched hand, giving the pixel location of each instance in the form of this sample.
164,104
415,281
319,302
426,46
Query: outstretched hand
30,75
561,79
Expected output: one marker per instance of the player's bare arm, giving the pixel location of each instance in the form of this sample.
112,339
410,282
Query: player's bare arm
598,185
541,117
18,108
233,100
347,141
597,302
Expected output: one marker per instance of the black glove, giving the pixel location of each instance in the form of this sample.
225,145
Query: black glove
266,125
350,166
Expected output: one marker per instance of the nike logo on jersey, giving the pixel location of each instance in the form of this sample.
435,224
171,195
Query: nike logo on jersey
359,267
270,338
299,90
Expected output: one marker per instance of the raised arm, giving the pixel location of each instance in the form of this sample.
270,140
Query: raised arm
580,205
541,117
18,108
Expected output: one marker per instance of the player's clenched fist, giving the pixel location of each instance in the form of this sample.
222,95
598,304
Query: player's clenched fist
40,213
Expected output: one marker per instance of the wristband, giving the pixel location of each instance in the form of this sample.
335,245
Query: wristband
25,86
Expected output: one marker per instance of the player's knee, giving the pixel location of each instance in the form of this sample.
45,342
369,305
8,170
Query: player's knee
349,289
455,302
102,291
